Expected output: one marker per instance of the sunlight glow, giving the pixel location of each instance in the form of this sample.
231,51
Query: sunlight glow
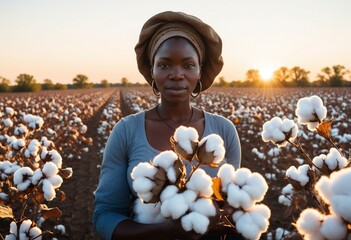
266,72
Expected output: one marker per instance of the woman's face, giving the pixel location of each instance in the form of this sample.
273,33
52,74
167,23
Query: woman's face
176,69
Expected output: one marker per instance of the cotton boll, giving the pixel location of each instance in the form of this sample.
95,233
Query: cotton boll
323,188
25,225
204,206
147,212
55,158
201,183
49,190
184,135
309,222
256,187
143,185
189,196
56,181
174,207
252,224
37,176
238,198
195,221
22,178
165,159
34,233
214,143
333,227
171,175
143,169
241,176
50,169
299,174
341,206
227,175
146,197
168,192
334,160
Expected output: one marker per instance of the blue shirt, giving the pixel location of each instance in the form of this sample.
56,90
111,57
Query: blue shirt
126,147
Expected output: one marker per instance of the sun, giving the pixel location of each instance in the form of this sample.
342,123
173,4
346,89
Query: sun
266,72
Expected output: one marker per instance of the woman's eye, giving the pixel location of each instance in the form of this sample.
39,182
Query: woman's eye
189,65
162,66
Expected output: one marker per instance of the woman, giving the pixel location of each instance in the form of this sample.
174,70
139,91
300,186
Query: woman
179,56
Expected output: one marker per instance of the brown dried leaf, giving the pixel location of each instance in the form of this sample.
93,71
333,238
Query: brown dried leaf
51,213
6,212
216,187
180,171
324,128
66,173
181,152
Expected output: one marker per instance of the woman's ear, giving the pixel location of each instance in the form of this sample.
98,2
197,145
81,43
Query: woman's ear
152,71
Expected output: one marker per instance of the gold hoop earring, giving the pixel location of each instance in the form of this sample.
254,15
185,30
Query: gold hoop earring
199,88
154,89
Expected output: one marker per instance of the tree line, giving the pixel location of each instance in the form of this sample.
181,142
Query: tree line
335,76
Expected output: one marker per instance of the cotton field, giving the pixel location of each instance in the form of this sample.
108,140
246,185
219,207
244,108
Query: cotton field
52,145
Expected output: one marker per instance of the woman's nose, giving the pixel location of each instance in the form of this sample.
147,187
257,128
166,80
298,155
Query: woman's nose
176,73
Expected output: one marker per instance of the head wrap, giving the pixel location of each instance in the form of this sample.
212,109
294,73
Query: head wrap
169,24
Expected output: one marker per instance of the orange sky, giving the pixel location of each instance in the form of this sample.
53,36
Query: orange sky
60,39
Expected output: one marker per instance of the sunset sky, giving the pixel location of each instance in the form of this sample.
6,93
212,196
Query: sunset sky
58,39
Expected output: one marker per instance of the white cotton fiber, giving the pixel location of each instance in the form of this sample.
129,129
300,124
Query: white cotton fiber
341,206
333,227
226,173
37,176
147,212
56,181
319,160
145,196
184,135
165,159
55,157
334,160
35,233
50,169
143,169
215,144
238,198
143,185
168,192
25,225
299,174
195,221
309,221
201,183
49,190
256,187
171,175
241,176
189,196
204,206
323,188
174,207
252,224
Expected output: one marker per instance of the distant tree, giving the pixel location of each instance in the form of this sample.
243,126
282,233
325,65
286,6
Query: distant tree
60,86
125,82
222,82
253,78
299,76
334,76
5,84
47,85
281,77
81,81
26,83
105,83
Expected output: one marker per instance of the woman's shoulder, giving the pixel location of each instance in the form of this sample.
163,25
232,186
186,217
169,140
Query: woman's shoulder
215,118
130,122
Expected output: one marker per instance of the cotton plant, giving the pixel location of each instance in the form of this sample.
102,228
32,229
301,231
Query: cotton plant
167,191
31,173
326,177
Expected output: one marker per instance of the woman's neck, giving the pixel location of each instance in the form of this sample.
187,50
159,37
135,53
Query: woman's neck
175,112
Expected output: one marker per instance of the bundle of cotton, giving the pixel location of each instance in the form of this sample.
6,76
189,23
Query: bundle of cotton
243,190
25,229
190,197
331,162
